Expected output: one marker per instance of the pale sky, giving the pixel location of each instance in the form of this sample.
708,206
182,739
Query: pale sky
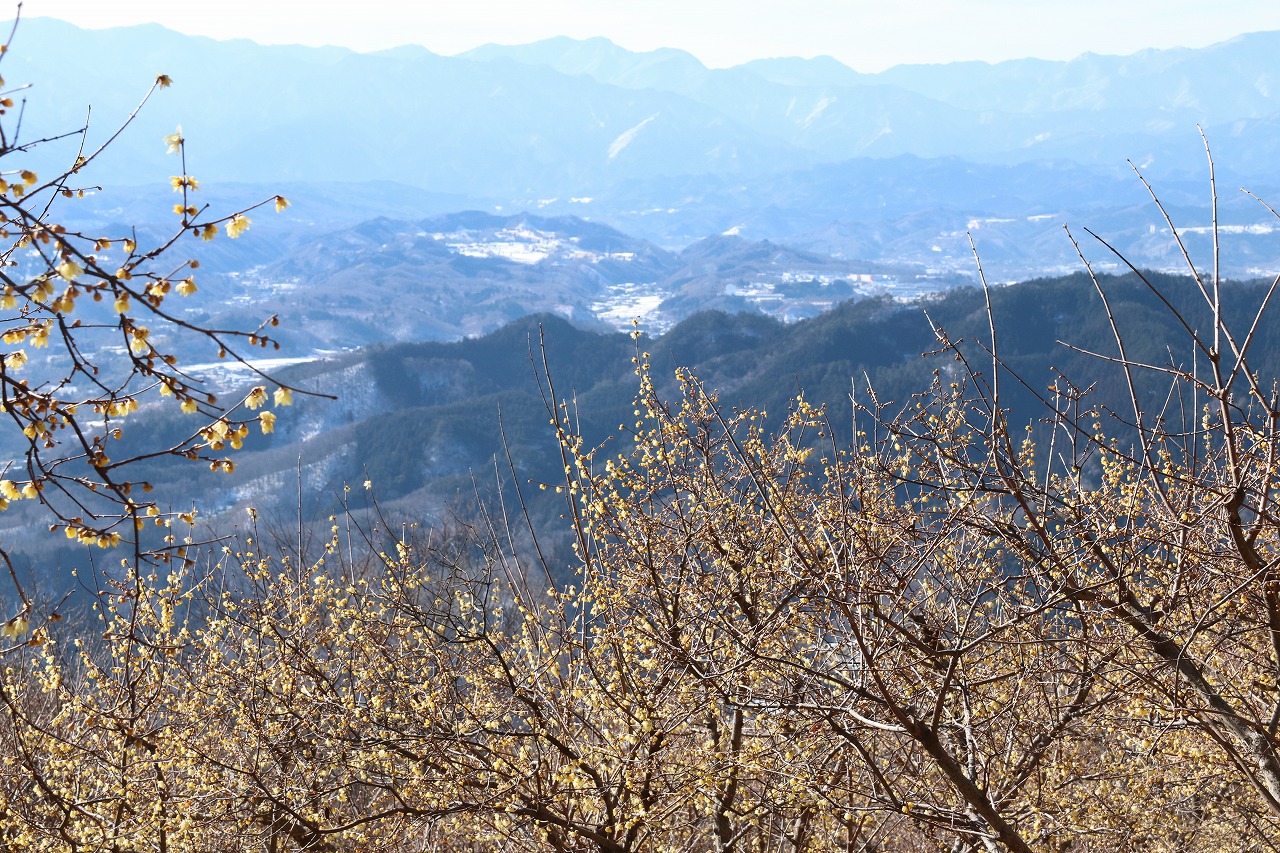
868,35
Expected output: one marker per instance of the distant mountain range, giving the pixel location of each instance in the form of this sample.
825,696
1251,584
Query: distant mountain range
892,167
465,274
565,117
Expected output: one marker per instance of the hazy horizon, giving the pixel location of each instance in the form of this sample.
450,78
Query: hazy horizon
867,37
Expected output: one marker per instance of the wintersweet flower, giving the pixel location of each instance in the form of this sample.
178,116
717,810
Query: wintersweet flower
173,141
237,225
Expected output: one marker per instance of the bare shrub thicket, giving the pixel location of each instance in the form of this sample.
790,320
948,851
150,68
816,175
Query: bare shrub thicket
955,634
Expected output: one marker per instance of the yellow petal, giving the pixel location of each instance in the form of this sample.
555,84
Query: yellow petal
237,225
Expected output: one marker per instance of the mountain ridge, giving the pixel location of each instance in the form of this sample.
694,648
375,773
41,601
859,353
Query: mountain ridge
761,125
884,167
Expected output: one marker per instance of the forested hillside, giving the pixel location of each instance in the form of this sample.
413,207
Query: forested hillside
431,425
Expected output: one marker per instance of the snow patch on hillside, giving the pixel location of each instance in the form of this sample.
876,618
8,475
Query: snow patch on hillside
623,303
521,244
625,138
1227,229
818,110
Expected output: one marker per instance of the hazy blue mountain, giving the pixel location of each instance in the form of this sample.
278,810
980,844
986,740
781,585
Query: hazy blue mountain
1232,79
665,69
896,167
816,72
256,113
1002,112
568,117
855,117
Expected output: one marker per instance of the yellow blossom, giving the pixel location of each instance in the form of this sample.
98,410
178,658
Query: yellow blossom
283,397
237,225
173,141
